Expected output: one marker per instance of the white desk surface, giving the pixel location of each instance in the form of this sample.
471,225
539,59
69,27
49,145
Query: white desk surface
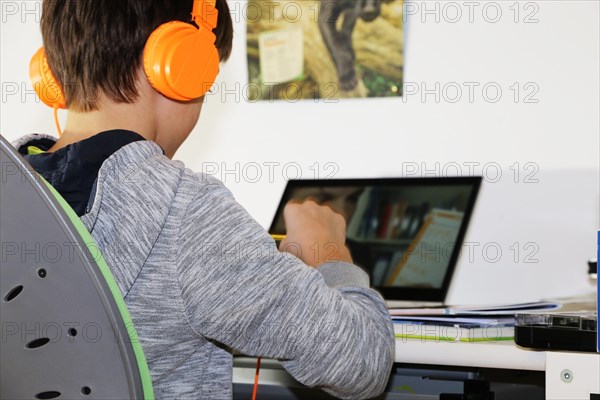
502,354
499,355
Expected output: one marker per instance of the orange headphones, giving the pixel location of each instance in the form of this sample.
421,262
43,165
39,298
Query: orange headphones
180,60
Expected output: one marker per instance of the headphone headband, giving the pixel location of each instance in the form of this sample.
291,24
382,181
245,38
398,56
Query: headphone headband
205,13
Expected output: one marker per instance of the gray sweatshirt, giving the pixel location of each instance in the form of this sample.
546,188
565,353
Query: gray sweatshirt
199,276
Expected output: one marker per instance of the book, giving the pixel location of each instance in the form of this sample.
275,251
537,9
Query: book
455,329
478,310
426,259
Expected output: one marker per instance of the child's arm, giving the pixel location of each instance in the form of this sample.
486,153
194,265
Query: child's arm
325,325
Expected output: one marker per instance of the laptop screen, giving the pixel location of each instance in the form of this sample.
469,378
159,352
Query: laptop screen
405,232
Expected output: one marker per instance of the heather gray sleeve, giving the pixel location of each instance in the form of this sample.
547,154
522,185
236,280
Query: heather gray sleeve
340,274
325,325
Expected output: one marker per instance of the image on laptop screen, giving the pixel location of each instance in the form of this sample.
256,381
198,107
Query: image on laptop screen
406,232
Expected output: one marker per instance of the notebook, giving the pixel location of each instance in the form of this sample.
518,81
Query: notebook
405,232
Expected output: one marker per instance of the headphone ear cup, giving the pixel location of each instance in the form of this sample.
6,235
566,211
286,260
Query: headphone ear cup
44,83
181,61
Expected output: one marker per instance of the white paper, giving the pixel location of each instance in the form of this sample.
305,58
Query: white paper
281,55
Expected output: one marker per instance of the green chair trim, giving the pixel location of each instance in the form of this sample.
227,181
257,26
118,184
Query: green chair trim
115,291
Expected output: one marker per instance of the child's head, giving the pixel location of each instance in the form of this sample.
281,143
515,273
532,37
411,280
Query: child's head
95,47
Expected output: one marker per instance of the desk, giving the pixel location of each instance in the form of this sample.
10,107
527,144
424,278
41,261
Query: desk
582,369
499,355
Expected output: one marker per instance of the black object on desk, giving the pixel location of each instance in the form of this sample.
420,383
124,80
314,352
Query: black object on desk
560,331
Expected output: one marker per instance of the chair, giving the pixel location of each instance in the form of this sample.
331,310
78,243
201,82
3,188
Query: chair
66,332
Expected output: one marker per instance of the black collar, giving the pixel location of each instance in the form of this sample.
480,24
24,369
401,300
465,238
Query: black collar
73,169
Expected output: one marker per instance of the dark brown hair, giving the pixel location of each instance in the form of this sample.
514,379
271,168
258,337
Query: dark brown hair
96,46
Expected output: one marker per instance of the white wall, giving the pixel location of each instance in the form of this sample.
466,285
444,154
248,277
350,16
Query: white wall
549,209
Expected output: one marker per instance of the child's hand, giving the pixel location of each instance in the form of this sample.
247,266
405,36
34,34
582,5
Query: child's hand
315,234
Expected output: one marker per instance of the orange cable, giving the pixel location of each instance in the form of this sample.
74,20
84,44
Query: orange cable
56,120
256,379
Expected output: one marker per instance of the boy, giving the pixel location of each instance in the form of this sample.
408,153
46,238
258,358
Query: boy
198,274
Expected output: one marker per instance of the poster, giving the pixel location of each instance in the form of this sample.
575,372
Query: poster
324,49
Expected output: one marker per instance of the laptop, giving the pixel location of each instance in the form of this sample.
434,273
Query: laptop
405,232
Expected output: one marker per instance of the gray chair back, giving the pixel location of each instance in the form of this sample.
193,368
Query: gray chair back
66,332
